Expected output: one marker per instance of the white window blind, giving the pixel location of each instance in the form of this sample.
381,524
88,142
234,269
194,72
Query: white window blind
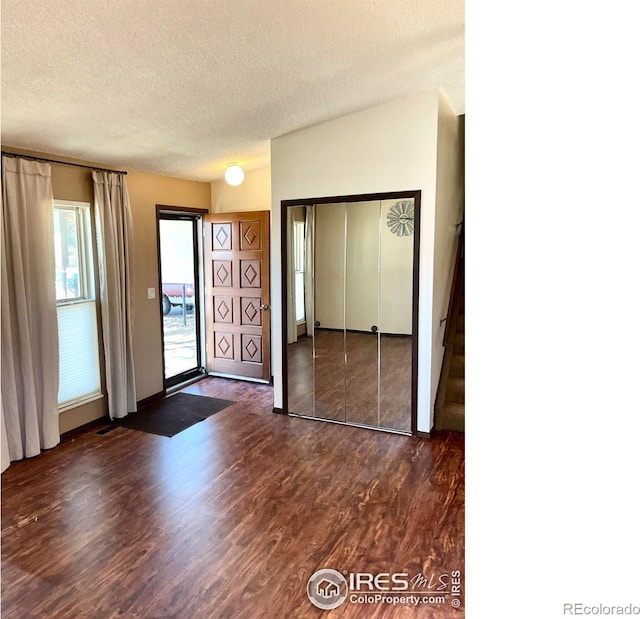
79,360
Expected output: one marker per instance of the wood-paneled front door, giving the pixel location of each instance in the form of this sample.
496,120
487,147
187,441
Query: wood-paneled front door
237,302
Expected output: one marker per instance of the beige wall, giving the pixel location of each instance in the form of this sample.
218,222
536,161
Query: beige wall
254,194
145,191
449,211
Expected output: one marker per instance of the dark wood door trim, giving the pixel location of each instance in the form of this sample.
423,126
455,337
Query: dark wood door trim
167,209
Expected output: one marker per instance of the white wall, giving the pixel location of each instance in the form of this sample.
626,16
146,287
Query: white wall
449,210
390,147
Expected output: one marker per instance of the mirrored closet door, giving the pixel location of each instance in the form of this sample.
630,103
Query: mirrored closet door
350,320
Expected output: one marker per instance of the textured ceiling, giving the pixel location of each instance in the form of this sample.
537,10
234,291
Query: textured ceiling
183,87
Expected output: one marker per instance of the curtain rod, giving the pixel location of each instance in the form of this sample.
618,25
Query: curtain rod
77,165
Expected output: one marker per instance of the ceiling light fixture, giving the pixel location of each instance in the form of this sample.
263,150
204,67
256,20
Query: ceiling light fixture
234,175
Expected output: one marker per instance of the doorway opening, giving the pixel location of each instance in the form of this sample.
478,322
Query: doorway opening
180,257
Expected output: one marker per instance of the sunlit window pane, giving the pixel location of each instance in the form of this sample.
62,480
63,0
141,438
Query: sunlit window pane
68,276
298,257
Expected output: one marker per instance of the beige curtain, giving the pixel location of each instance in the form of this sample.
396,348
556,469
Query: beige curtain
4,450
115,247
29,318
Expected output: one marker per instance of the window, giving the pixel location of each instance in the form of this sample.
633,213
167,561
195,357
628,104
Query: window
75,296
298,258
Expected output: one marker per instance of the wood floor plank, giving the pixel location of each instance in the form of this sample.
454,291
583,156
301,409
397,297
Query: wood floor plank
229,518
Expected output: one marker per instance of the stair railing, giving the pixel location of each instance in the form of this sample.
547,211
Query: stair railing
453,297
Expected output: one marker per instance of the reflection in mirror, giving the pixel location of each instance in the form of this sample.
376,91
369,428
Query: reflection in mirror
363,234
329,297
350,312
395,382
396,299
300,309
300,367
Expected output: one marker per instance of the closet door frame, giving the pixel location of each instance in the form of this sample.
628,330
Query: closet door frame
394,195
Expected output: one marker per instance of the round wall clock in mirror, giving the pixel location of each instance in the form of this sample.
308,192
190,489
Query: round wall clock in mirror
400,218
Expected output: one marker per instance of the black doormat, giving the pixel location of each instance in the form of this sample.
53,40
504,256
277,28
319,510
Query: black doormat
174,414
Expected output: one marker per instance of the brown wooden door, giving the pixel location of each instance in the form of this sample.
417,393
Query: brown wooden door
237,302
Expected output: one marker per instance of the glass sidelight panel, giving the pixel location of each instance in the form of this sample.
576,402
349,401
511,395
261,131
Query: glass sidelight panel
329,297
179,298
362,301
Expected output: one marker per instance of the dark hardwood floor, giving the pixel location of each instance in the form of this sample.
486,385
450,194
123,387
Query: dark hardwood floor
228,518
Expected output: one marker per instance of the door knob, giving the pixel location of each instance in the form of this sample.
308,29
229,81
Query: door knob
264,306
